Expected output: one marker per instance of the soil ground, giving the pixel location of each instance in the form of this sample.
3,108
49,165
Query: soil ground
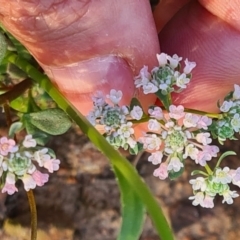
81,200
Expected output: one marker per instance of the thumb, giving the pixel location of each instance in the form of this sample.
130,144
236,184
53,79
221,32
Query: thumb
85,46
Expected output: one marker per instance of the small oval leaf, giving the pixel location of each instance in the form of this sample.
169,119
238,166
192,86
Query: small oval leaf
53,121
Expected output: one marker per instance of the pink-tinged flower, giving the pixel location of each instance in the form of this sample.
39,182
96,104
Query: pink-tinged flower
28,182
7,146
9,188
236,176
136,113
156,113
191,151
162,59
98,99
204,122
211,150
190,120
188,66
204,138
176,112
207,202
202,158
155,158
40,178
162,171
29,142
52,165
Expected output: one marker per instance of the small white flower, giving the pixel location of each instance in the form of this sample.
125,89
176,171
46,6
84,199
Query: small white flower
92,118
29,141
204,138
236,93
174,60
155,158
10,178
143,77
182,81
153,125
131,142
191,151
226,106
149,88
198,184
136,113
235,122
228,196
156,113
151,142
126,130
115,96
197,199
41,156
188,66
222,176
175,164
28,182
164,86
162,59
190,120
176,112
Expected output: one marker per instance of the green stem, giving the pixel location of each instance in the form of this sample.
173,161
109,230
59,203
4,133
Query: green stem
208,169
33,211
210,115
116,159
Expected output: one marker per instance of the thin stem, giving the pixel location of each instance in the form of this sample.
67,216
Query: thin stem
210,115
33,211
208,169
16,91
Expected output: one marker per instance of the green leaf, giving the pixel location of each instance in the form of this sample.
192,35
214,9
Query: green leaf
53,121
117,161
228,153
133,210
14,128
173,175
165,99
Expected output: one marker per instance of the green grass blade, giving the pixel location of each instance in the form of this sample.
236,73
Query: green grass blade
133,210
116,159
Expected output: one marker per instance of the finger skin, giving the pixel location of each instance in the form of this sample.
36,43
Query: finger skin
78,42
213,44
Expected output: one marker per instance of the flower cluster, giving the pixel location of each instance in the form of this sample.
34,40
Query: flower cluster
19,162
229,123
118,130
177,135
166,78
174,134
205,189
